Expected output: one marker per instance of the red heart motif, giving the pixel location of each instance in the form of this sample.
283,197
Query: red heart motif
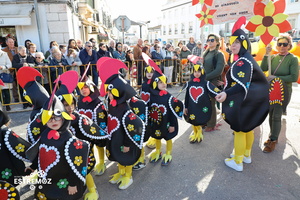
89,114
275,93
195,93
154,115
162,109
47,157
145,96
3,194
112,124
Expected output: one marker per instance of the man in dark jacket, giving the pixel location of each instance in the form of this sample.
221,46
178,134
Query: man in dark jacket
88,55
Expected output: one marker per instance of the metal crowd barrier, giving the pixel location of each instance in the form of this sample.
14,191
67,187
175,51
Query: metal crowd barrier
135,75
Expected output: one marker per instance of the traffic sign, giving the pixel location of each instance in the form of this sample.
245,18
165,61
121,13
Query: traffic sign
123,23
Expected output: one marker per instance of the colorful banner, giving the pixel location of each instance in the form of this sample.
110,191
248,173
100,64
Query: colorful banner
229,10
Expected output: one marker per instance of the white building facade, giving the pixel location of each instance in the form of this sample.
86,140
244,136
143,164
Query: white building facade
45,20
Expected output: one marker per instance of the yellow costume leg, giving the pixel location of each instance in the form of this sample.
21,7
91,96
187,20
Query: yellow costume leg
199,137
194,134
117,176
141,163
100,167
167,158
249,143
92,194
155,156
236,162
126,180
151,143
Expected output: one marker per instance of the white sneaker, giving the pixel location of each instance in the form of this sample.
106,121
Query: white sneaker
246,160
125,186
232,164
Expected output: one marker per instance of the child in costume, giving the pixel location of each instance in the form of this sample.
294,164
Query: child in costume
145,92
245,97
12,154
60,155
90,105
81,126
36,95
164,110
126,128
197,102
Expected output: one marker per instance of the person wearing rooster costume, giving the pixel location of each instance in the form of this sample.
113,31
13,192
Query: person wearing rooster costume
90,105
81,125
126,128
245,97
145,91
60,155
36,95
163,114
197,102
12,154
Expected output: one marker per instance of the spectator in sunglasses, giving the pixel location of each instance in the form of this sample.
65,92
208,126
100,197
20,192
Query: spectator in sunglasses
213,63
284,65
119,53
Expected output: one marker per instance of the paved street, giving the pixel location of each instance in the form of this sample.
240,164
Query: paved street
198,170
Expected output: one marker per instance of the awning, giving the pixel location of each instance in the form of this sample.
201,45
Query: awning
16,14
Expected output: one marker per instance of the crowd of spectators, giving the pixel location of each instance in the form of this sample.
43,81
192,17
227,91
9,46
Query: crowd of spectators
77,54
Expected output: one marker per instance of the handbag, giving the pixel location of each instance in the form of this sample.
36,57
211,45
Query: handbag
6,78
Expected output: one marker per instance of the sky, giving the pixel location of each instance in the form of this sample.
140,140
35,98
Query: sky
136,10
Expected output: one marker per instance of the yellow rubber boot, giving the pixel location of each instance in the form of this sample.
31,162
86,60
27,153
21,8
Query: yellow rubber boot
100,167
126,180
151,143
117,176
155,156
92,194
167,158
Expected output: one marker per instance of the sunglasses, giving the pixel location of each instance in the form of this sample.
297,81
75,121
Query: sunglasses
210,40
284,44
119,46
37,57
89,46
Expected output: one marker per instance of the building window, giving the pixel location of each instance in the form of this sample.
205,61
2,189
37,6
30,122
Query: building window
293,1
164,30
176,29
182,28
191,27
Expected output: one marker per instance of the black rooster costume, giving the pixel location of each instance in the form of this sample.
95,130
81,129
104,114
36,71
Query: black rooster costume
35,94
125,127
163,114
247,102
81,125
197,103
92,107
61,156
12,153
